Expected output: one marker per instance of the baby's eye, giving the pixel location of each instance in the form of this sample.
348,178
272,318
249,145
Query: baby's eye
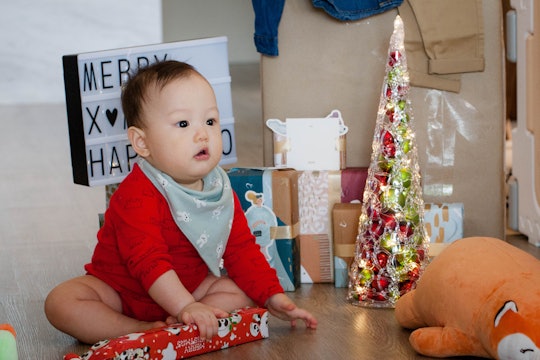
210,122
182,123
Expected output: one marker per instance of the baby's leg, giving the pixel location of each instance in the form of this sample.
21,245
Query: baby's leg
90,310
222,293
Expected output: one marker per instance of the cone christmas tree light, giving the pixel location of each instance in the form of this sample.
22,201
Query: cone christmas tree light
391,247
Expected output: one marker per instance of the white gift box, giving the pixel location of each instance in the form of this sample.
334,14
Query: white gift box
309,143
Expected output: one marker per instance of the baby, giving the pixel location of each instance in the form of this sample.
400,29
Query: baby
170,225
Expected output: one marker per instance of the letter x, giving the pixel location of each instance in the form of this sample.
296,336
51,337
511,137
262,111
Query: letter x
93,120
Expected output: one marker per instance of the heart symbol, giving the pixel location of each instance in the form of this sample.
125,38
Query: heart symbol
112,115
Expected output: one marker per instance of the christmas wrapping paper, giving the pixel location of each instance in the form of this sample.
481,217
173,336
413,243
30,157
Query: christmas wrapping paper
269,198
179,341
318,192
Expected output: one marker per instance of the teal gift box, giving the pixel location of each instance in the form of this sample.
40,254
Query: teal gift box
269,198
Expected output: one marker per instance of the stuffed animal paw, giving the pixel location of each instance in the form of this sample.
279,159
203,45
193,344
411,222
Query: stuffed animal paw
479,297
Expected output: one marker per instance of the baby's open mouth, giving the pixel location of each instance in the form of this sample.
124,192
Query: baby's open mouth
202,153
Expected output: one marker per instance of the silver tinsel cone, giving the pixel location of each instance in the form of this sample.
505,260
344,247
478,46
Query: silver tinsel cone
391,247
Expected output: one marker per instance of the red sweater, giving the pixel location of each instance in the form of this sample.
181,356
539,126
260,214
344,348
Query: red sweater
140,241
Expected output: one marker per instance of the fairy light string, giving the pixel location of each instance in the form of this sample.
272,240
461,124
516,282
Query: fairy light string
391,247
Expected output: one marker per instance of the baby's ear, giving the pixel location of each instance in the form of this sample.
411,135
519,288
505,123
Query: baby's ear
137,138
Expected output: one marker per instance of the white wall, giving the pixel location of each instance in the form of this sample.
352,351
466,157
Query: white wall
192,19
34,34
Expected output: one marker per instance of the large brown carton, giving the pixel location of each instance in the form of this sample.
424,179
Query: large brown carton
326,64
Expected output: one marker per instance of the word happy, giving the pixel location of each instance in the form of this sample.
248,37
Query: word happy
108,160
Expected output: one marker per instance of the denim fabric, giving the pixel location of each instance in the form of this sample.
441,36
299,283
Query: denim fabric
355,9
268,14
267,17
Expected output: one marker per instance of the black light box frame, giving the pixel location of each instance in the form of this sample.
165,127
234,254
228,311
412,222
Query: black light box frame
100,151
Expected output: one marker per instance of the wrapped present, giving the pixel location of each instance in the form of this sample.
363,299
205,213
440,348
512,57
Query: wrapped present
353,181
269,198
345,219
316,258
444,224
310,143
318,191
179,341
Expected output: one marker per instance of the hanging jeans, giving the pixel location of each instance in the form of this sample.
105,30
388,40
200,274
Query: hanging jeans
268,15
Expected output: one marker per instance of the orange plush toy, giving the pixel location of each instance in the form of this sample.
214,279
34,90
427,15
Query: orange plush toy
479,297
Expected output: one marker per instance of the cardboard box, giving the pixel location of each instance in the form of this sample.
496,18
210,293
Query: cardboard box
316,258
269,198
444,224
345,218
318,192
314,74
179,341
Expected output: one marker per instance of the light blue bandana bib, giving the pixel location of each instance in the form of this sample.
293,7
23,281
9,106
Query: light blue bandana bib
205,217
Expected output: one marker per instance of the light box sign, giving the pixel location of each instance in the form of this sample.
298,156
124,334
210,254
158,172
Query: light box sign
100,150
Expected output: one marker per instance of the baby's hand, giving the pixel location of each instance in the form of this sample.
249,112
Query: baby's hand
282,307
204,316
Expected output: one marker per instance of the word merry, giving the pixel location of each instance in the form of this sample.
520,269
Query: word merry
108,74
191,345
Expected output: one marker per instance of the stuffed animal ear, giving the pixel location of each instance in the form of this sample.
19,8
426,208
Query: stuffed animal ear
508,306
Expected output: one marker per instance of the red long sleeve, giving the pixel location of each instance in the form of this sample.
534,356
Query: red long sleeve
140,241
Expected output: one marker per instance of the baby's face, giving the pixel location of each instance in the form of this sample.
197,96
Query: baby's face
182,130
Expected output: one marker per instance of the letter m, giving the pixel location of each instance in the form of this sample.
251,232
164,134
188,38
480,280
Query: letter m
89,78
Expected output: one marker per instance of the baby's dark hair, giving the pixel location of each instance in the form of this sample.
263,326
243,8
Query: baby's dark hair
159,74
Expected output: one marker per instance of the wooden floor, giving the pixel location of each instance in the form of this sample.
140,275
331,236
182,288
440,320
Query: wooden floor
48,227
